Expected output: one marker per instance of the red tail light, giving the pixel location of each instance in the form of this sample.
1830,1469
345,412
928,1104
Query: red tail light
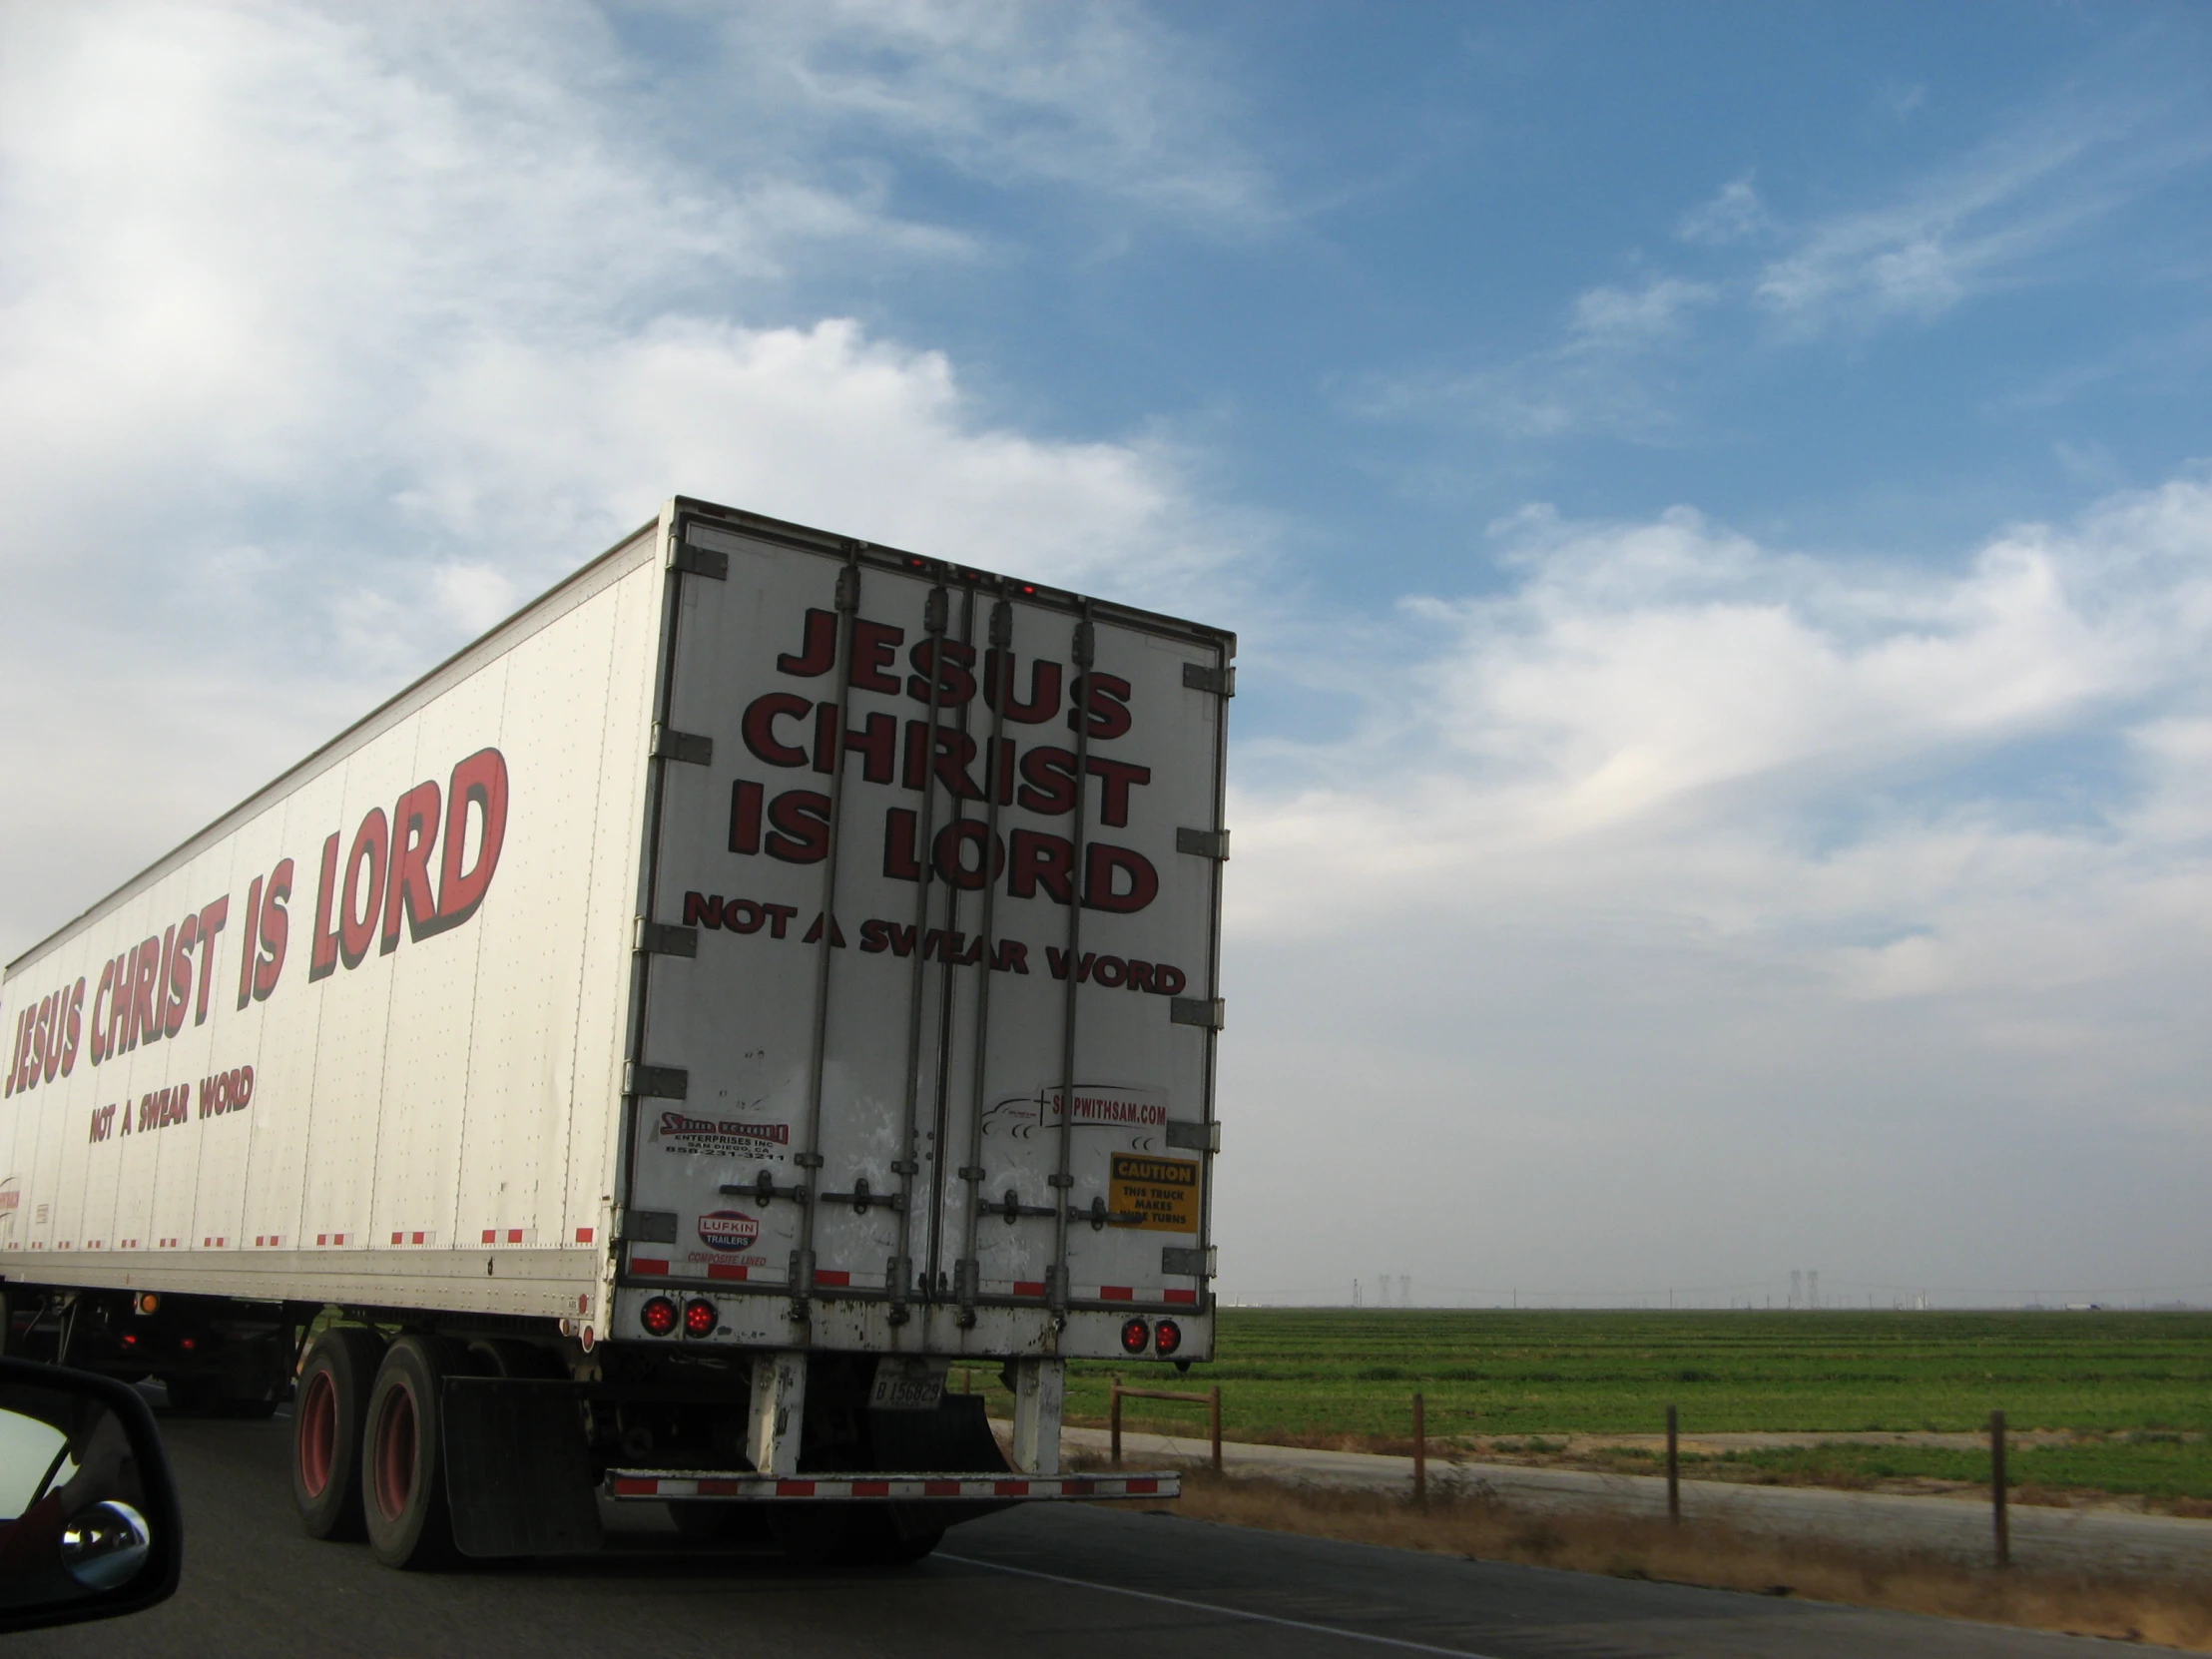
1136,1335
659,1316
701,1317
1167,1337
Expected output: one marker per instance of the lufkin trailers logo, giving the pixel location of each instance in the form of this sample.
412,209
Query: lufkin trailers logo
730,1231
144,994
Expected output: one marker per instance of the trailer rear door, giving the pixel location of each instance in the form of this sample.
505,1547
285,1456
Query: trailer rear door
921,1020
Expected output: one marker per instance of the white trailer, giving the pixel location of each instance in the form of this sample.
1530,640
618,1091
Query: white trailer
639,1060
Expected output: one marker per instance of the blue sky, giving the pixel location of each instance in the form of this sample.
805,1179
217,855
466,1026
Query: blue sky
1823,270
1714,498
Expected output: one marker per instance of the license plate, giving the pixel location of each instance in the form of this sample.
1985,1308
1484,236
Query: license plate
898,1389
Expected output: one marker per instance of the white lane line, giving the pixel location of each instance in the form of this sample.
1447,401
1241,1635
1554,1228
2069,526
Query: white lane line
1211,1607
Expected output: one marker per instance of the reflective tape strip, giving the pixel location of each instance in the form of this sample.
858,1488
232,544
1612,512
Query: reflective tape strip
654,1267
753,1489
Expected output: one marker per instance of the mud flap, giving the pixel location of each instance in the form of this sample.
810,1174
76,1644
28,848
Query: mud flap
517,1470
955,1438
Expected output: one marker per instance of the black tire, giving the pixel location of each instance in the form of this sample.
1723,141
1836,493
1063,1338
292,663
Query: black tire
195,1396
211,1397
811,1535
509,1357
708,1522
872,1539
402,1455
334,1383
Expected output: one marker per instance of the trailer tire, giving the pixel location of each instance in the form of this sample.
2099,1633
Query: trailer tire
509,1357
195,1396
334,1381
709,1522
810,1534
874,1540
404,1455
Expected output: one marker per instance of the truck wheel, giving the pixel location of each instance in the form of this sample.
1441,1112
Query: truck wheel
195,1396
402,1462
326,1430
874,1540
810,1534
507,1356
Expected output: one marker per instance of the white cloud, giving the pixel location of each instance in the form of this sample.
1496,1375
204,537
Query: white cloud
1638,682
327,335
1608,318
787,422
1609,374
1682,862
1988,220
1011,91
1734,213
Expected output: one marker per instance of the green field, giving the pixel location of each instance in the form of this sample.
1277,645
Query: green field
2138,1387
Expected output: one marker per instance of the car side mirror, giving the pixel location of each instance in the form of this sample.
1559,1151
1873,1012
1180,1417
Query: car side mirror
89,1522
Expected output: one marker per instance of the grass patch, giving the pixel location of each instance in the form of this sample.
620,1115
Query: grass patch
2130,1609
2135,1385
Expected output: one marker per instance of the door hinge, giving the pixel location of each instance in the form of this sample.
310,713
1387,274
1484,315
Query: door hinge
655,1082
648,1226
1194,1137
1192,1264
699,561
1220,681
661,938
689,747
1207,844
1209,1012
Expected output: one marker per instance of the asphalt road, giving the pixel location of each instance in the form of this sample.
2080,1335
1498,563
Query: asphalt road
1069,1581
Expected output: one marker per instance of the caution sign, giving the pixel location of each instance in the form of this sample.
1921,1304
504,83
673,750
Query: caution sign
1159,1194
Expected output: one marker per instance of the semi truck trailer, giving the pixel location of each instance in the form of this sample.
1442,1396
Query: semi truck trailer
638,1062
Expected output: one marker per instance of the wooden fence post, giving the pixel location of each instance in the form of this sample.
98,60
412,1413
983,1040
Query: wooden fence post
1214,1410
1997,1489
1421,1449
1113,1414
1674,1469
